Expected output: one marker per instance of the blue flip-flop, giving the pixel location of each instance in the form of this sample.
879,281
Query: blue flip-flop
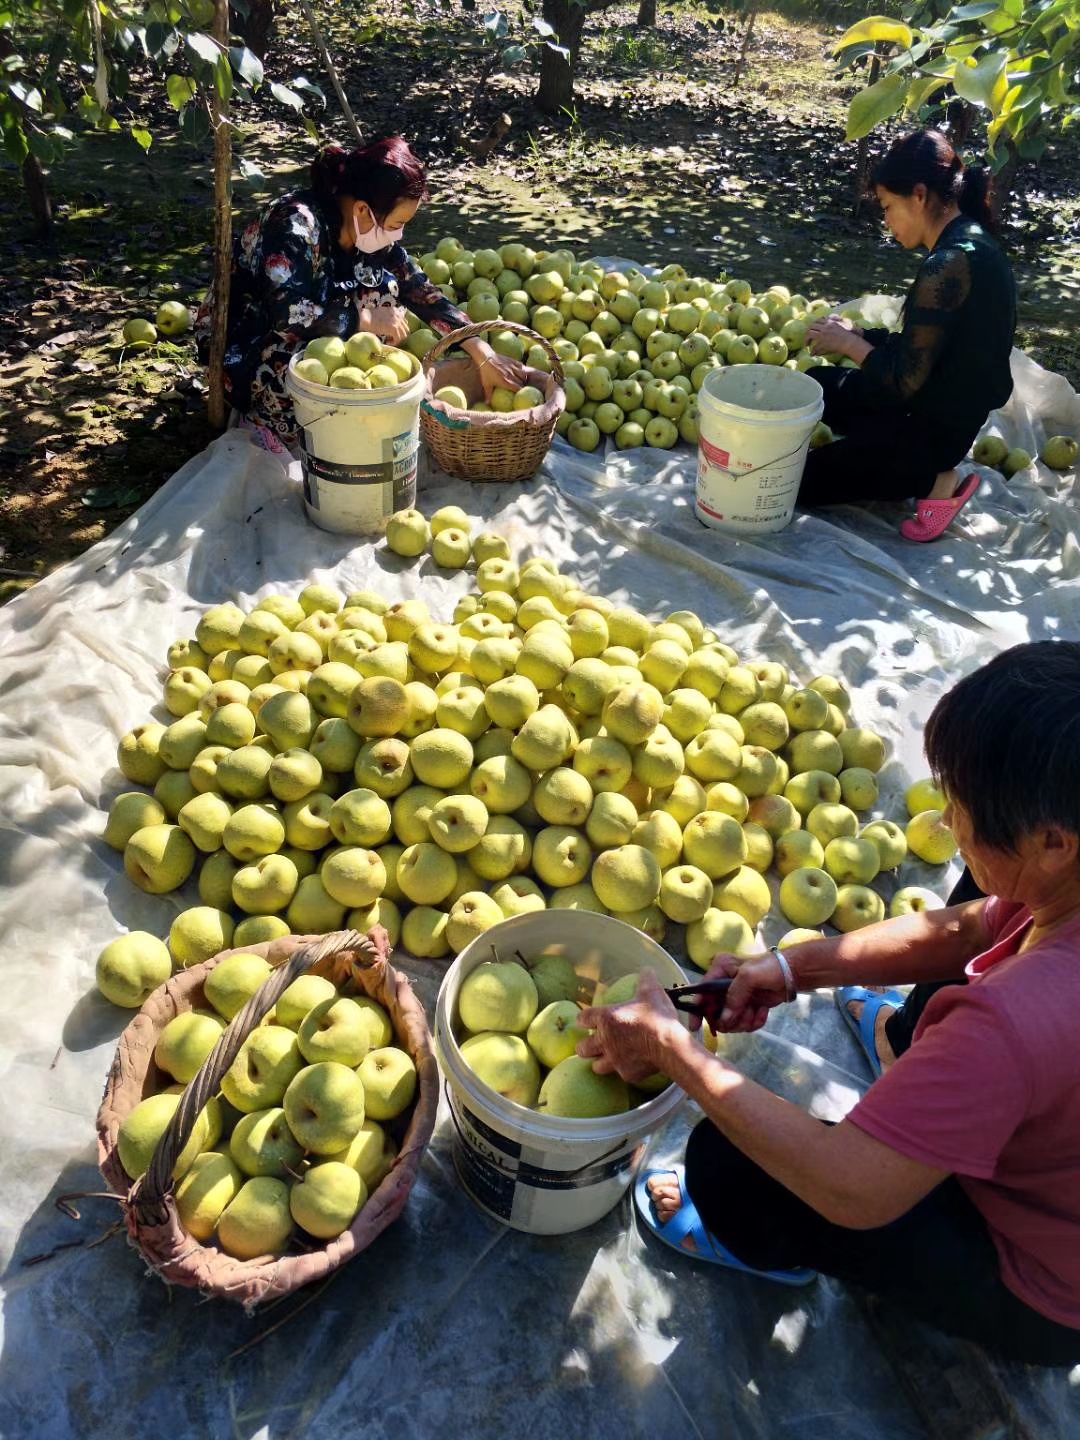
863,1028
686,1224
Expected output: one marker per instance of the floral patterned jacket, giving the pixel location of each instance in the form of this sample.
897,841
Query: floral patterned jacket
292,281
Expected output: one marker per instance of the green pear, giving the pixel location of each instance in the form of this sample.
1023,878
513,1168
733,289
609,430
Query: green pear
626,878
257,1221
360,817
300,999
215,879
335,1029
204,819
555,979
505,1064
266,886
131,967
219,629
185,1042
326,1201
268,1060
389,1078
173,791
573,1089
262,1144
335,745
324,1106
138,756
144,1126
130,812
367,1154
498,995
159,858
554,1033
243,774
289,719
202,772
253,831
307,821
257,929
233,981
198,934
208,1187
312,910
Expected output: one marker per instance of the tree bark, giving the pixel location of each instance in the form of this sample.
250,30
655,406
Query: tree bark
256,28
862,159
556,91
740,64
646,15
1004,180
219,114
37,196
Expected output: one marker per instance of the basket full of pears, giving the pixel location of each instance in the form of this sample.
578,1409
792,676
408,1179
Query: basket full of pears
506,440
266,1114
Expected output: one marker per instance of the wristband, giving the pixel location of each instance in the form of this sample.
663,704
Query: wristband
785,971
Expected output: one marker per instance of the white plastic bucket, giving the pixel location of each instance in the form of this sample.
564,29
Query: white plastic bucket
755,423
547,1175
358,451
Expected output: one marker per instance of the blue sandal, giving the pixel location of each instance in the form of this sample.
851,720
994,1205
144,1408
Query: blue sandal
863,1028
686,1224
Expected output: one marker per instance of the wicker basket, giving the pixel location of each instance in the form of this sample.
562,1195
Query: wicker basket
501,447
354,963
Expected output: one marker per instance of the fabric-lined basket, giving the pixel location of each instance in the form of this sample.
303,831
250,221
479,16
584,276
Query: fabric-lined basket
356,964
500,447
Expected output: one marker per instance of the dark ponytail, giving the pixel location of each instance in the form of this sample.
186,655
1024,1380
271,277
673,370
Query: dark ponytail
926,158
380,174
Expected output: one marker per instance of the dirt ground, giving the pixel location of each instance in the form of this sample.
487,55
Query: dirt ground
661,158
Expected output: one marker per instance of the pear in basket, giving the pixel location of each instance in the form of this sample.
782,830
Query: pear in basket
349,377
453,396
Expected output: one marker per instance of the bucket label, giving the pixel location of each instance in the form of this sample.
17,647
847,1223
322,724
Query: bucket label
715,456
492,1170
392,481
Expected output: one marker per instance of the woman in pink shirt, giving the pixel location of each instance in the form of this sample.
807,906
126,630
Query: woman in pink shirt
953,1186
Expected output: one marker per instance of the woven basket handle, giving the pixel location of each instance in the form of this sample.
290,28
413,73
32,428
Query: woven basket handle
150,1192
473,332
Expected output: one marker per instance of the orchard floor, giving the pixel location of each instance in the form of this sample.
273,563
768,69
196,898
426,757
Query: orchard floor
452,1324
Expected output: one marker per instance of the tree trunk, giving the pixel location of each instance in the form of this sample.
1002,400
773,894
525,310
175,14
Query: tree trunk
219,113
37,196
740,64
256,28
862,159
556,92
1004,180
646,14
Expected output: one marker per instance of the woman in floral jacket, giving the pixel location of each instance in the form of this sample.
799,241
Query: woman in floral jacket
328,260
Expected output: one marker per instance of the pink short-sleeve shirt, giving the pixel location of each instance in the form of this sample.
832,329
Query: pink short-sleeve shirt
990,1091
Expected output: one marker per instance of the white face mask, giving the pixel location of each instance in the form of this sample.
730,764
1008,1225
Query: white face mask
376,238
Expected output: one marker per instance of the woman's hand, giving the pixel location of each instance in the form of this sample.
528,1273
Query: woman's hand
757,986
633,1040
495,370
386,321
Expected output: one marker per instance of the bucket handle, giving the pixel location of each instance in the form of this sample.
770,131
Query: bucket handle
570,1174
742,474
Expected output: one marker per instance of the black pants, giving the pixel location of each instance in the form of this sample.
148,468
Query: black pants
937,1261
881,456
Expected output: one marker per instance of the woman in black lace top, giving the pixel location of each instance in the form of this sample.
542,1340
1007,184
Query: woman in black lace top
328,260
919,398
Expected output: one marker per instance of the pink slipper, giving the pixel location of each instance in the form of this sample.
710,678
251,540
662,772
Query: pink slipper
933,517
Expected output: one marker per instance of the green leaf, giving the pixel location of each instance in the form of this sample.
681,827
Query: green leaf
513,55
542,28
304,86
496,25
41,145
284,96
194,123
142,138
873,29
973,12
984,83
875,104
248,66
180,89
921,92
223,81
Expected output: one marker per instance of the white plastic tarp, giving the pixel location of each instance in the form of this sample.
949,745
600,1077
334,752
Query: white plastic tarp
451,1323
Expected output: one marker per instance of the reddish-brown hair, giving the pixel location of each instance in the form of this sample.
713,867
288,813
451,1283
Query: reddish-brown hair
381,174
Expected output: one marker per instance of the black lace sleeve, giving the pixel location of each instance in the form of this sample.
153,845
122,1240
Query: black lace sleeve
897,369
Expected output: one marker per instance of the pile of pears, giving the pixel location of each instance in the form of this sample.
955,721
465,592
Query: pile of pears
297,1138
517,1029
635,349
337,760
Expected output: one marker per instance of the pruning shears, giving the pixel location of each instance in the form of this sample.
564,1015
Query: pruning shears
705,999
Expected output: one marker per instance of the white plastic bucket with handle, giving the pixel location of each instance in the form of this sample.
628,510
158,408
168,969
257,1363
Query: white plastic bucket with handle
358,451
755,423
546,1174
